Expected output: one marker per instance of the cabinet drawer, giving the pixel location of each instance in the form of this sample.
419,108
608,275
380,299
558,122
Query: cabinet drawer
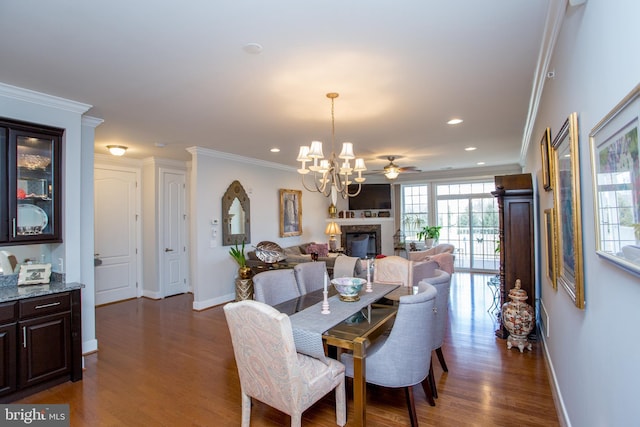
41,306
8,312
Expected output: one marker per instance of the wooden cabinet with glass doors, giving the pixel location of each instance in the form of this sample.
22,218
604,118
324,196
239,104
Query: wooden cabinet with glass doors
29,183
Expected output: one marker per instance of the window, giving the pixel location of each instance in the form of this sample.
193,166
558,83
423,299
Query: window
467,213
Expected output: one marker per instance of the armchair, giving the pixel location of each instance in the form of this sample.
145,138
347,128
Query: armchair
271,371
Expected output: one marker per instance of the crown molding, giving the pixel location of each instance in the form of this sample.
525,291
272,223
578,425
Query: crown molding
553,24
200,151
43,99
90,121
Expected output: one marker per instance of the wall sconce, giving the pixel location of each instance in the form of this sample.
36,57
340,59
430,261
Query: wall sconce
117,150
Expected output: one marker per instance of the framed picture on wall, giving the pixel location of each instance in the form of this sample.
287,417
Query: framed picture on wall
290,213
551,246
568,217
616,180
545,151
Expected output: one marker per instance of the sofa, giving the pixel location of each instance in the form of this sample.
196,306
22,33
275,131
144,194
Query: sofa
299,253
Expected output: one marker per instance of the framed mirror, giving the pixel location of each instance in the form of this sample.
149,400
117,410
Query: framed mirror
236,215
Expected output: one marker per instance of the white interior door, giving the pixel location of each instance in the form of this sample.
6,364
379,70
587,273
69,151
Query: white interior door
173,223
115,235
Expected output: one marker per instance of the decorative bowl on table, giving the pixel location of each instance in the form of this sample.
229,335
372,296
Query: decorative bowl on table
348,287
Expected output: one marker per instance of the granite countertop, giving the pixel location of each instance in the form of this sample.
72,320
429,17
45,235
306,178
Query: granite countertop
12,293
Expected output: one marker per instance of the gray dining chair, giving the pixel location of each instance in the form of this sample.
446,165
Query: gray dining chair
275,286
271,370
310,276
442,282
401,359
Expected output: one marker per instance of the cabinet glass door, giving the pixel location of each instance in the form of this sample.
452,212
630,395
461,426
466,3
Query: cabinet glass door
35,182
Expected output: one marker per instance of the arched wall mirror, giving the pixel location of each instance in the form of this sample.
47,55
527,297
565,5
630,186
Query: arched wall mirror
236,214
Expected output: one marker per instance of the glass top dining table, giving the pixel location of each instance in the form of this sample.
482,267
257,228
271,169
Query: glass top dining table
354,332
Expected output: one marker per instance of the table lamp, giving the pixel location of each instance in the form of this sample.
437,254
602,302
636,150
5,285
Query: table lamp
332,230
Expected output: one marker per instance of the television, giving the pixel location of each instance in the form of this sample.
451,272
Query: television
371,196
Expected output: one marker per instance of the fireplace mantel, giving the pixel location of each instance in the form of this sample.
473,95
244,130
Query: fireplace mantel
386,229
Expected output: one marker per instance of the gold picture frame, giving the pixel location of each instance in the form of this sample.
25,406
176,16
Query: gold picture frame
568,217
290,213
616,183
549,221
545,152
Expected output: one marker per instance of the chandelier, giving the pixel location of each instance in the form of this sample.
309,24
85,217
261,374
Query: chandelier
330,176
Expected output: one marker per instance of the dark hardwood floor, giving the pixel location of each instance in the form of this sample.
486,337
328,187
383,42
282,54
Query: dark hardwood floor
162,364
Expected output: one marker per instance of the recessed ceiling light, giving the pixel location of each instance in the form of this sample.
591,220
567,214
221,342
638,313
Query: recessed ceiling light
252,48
275,150
480,163
455,121
470,149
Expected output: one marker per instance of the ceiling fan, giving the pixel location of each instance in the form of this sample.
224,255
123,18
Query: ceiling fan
391,171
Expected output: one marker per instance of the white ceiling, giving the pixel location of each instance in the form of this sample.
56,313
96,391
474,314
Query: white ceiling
175,73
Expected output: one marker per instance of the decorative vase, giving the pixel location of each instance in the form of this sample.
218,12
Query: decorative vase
244,272
518,318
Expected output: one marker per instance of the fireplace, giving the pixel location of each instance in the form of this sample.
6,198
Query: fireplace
350,232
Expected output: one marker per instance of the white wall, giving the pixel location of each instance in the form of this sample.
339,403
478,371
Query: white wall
212,268
592,352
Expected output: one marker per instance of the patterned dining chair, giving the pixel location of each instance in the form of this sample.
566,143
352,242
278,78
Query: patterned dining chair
401,359
275,286
442,282
310,276
271,370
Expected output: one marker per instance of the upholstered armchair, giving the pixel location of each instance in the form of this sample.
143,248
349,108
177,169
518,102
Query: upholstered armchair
401,359
310,276
271,371
399,270
359,246
443,254
275,286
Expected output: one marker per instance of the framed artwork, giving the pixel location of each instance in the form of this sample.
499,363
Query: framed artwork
549,223
545,151
32,274
568,217
616,180
290,213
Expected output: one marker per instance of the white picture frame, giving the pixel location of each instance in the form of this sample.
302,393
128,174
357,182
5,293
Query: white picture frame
34,274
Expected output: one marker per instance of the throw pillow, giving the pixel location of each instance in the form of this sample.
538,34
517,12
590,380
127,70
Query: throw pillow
323,249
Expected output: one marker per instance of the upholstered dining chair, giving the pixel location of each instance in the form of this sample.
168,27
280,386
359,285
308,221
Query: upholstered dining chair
271,371
401,359
442,282
310,276
346,266
275,286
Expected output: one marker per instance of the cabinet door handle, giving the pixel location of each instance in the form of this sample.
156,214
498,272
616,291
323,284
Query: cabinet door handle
168,250
24,337
53,304
14,226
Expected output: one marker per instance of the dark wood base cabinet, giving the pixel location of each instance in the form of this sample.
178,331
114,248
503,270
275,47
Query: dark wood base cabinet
40,344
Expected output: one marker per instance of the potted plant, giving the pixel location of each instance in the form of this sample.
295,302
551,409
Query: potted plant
238,254
431,234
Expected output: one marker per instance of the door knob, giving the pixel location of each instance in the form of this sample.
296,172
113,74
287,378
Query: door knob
168,250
